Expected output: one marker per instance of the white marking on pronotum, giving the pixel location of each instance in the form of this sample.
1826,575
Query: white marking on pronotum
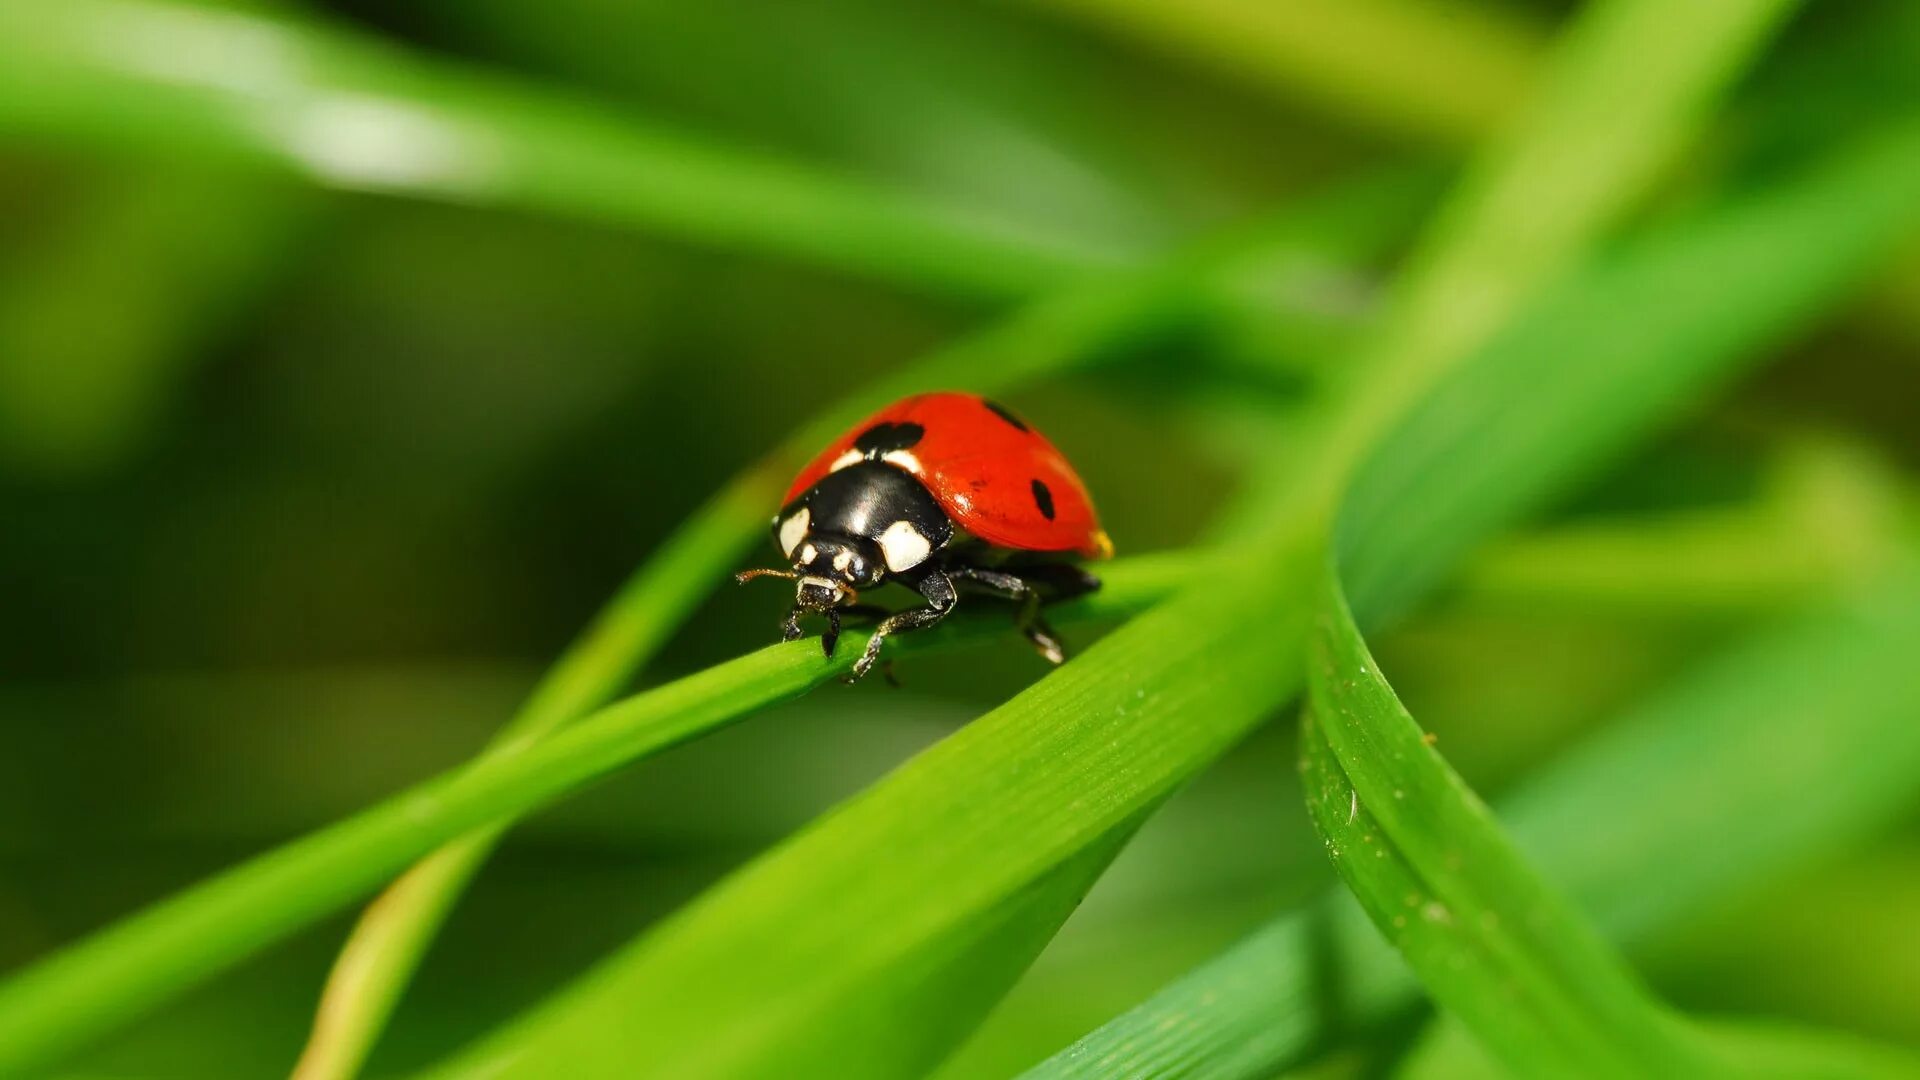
903,546
793,529
904,459
851,457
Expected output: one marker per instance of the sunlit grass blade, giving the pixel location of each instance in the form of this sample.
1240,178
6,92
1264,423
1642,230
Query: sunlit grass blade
1489,939
62,1001
1346,225
347,111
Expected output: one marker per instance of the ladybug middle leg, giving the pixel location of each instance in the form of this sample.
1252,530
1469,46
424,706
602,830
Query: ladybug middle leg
937,587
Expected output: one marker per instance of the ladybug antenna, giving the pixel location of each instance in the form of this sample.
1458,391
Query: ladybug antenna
745,576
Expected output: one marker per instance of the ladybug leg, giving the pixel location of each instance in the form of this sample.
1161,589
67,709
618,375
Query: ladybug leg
790,629
1059,581
1021,592
938,589
832,637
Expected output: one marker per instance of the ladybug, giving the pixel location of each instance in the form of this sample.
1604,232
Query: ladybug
942,493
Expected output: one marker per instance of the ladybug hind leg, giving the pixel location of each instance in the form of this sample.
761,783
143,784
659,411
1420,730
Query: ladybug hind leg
1041,583
1057,581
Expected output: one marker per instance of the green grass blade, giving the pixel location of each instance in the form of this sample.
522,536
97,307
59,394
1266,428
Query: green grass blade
1713,287
1347,224
1758,1050
1740,787
346,111
1491,941
84,990
1577,160
1444,74
1829,512
772,968
1594,383
1571,167
1731,787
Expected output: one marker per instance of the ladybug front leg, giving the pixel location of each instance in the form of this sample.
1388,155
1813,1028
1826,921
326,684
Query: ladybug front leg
938,589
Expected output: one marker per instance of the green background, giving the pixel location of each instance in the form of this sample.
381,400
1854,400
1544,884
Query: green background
301,487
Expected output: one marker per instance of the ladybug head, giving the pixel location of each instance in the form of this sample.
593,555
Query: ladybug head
832,569
829,571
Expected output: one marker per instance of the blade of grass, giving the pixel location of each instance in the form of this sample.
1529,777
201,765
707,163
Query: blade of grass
990,813
1448,74
1775,260
1536,199
1503,951
1717,284
1347,224
343,110
1756,1049
762,973
1488,938
1721,765
77,993
1568,171
1829,513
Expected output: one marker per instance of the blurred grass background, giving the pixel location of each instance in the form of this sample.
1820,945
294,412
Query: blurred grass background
302,486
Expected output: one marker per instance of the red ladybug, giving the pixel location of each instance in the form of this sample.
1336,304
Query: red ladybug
940,492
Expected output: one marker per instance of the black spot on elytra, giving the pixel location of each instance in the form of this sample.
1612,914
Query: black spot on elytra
885,438
1004,413
1043,499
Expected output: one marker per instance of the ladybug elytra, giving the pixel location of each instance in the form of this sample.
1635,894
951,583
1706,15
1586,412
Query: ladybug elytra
940,492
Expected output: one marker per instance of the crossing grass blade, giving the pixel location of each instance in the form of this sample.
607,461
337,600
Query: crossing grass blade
1594,382
1504,952
1487,937
346,111
1447,75
1720,765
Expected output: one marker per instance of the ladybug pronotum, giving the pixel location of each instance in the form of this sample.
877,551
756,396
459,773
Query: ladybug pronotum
942,493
